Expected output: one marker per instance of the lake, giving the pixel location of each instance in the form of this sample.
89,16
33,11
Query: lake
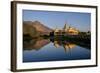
39,49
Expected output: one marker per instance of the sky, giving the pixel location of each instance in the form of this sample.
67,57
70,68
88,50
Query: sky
55,19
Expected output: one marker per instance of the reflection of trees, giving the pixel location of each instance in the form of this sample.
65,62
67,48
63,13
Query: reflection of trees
35,44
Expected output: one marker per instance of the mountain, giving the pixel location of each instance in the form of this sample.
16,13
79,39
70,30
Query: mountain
40,27
35,28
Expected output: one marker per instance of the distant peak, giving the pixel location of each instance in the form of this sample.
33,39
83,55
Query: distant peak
37,22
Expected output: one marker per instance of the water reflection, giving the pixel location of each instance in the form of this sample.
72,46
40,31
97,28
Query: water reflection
35,44
51,49
66,45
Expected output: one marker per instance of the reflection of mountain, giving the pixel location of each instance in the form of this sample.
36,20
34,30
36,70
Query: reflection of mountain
35,28
35,44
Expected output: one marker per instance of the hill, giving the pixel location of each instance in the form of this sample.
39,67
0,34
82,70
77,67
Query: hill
35,28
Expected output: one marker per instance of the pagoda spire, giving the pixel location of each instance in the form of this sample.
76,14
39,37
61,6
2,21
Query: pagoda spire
65,27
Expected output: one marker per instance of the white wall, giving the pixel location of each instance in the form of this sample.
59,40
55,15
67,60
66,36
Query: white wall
5,37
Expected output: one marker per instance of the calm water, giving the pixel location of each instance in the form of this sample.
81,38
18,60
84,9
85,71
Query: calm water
39,49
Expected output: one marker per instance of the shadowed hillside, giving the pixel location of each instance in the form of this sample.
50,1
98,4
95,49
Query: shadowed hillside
35,29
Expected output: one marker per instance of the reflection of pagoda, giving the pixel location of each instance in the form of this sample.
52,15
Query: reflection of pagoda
67,30
56,44
67,46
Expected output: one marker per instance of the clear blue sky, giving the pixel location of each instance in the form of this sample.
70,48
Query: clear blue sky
53,19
